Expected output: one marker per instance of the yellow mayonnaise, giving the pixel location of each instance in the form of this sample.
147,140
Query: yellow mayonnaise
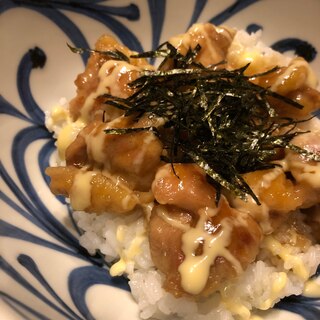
278,285
289,258
312,288
127,255
195,269
109,82
69,129
80,194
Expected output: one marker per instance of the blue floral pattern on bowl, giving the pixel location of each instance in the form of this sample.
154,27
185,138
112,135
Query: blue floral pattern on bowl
44,272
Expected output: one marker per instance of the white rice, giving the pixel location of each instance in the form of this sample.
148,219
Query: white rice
55,125
114,236
262,285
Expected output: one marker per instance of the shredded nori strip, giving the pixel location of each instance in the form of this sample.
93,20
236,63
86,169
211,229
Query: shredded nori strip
214,117
119,131
113,54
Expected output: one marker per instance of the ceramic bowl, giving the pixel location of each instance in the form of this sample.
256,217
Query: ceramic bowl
44,273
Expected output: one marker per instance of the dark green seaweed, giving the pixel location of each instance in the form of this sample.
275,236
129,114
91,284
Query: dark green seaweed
214,117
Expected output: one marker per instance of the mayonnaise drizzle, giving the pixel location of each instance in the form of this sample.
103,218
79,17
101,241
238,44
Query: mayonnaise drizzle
80,193
268,178
95,141
128,252
195,269
308,173
65,129
138,161
291,261
278,285
163,213
312,288
109,75
236,307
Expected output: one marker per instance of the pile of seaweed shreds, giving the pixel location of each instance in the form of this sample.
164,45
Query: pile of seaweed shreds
214,117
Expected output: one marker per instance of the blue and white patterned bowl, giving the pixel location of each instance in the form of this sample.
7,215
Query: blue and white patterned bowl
44,273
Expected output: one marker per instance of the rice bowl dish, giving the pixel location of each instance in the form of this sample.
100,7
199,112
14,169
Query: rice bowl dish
194,242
